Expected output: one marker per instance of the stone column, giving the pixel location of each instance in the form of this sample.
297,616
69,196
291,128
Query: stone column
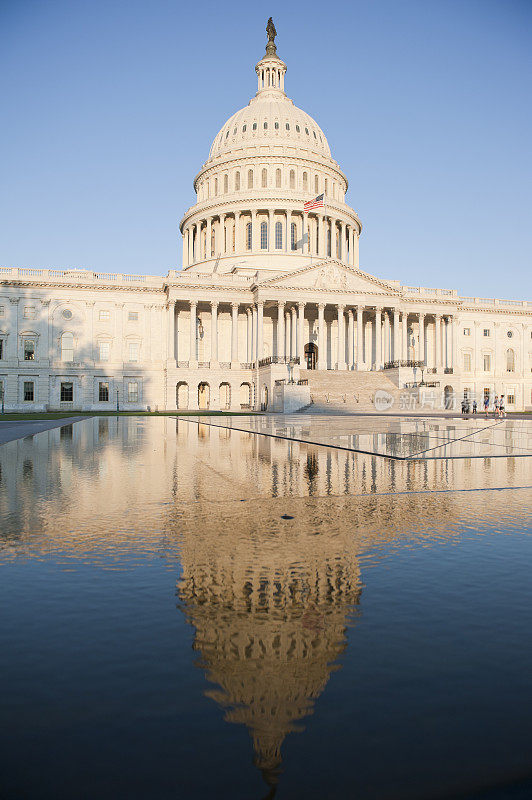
301,335
396,342
293,331
378,338
437,360
421,349
340,358
351,245
254,231
238,232
323,237
386,334
214,334
193,358
208,248
254,334
280,329
343,248
355,250
305,245
287,334
170,355
270,233
287,237
197,249
185,249
322,354
221,235
454,344
350,338
405,354
249,329
190,240
260,331
360,338
333,238
234,336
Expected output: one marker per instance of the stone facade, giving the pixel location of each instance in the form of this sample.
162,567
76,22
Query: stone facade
268,292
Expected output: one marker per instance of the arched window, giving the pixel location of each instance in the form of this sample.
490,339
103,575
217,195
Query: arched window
264,178
287,126
237,182
277,178
276,126
316,184
292,179
254,126
293,236
244,128
265,126
510,361
226,184
67,347
278,235
249,233
263,235
215,186
250,179
305,182
298,129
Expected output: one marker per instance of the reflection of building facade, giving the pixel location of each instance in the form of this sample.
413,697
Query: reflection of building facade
265,284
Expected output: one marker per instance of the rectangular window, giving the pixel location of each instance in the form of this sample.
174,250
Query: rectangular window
467,362
29,350
29,312
104,315
104,350
1,348
67,392
133,351
249,236
486,392
486,332
263,235
511,398
293,236
103,392
487,363
132,392
467,331
133,316
278,235
28,391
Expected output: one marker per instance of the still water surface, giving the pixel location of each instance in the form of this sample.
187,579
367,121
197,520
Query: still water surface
199,612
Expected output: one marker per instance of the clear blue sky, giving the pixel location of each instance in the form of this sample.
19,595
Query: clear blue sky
426,105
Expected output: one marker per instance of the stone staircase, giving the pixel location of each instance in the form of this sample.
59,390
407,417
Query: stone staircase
346,392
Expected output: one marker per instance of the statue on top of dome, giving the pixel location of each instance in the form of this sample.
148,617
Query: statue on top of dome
271,49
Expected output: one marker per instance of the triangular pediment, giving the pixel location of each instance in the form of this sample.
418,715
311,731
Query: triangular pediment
330,275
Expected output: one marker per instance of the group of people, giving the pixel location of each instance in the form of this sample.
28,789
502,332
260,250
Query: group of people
499,407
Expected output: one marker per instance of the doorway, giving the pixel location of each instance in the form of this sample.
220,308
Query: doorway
204,396
311,355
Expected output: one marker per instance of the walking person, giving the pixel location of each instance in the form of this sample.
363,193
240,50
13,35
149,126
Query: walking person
496,406
474,406
486,403
502,410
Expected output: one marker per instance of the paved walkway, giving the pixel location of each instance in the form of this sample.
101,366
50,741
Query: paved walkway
15,429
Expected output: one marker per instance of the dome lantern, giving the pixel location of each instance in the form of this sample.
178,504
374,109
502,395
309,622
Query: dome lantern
270,69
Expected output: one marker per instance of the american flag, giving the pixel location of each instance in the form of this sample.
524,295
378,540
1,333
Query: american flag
318,202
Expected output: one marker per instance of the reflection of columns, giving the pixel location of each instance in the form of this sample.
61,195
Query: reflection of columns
350,338
193,358
171,331
214,334
405,355
421,349
322,355
234,334
360,335
280,329
396,343
260,331
301,335
437,360
378,338
340,359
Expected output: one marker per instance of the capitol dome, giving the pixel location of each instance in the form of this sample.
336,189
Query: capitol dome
267,161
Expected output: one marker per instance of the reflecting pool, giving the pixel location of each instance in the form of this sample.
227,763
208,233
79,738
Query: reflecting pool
194,610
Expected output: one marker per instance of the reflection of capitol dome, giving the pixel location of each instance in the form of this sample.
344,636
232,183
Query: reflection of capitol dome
269,624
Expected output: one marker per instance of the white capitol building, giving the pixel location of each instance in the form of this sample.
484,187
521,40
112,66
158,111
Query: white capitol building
268,293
